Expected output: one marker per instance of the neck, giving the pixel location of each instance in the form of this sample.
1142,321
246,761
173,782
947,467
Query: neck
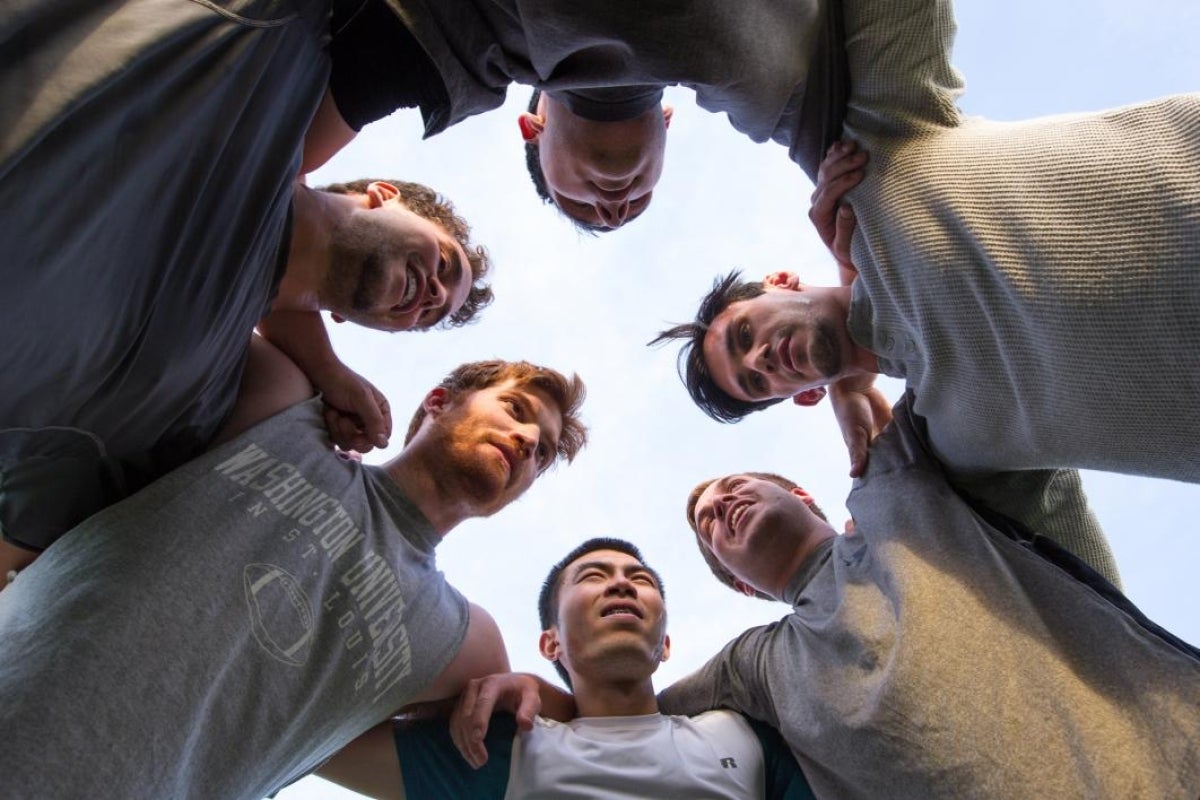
314,214
788,567
861,363
609,698
442,507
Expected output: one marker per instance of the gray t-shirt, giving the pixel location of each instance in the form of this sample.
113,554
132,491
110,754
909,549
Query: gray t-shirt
147,154
224,630
930,656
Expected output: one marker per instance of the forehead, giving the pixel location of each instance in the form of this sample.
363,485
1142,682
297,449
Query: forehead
719,341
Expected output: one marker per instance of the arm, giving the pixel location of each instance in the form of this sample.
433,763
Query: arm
369,764
735,678
271,382
327,134
521,694
901,79
357,413
1050,502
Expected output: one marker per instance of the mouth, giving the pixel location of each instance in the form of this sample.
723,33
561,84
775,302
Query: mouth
508,456
783,355
412,282
734,520
622,610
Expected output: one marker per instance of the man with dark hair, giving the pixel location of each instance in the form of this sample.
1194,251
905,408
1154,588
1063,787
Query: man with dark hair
604,626
388,255
231,626
939,651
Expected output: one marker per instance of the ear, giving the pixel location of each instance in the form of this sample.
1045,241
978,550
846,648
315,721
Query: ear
803,495
532,126
548,645
666,648
744,588
668,112
809,397
380,192
436,402
782,279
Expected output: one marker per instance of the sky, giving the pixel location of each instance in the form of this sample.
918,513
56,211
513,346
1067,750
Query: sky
589,305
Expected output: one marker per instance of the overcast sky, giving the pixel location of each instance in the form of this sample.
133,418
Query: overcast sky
590,304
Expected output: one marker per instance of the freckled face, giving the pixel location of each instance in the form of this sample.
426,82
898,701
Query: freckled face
496,441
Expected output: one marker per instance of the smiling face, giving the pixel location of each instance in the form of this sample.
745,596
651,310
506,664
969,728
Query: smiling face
611,620
491,444
602,174
779,344
756,529
392,269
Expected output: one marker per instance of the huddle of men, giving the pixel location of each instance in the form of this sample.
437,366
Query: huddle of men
259,604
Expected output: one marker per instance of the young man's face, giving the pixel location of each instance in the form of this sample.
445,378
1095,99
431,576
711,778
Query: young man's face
611,619
777,345
601,173
394,270
755,527
493,443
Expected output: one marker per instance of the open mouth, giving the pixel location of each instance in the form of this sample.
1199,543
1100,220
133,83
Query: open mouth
784,355
734,520
412,282
622,610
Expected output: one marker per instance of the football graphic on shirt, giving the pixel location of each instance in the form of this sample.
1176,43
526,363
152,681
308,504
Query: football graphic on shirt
281,615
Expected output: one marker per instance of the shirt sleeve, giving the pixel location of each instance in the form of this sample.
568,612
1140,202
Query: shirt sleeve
785,780
901,78
735,678
1049,502
433,769
50,480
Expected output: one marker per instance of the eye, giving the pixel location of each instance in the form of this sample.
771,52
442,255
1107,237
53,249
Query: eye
744,338
514,407
757,382
543,455
642,577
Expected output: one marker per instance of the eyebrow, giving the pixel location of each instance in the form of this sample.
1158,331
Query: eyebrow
608,568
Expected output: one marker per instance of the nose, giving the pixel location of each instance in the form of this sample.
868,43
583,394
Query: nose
761,358
525,441
435,294
619,584
613,213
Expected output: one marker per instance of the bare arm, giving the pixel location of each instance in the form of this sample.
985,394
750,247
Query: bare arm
271,382
357,413
327,134
368,765
523,694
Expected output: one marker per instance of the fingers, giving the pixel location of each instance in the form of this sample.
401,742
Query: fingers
840,172
843,234
858,446
376,420
344,431
465,730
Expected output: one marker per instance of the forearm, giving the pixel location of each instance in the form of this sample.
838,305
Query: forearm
301,335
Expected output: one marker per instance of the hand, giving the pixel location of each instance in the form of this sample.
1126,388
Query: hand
862,412
840,172
516,692
357,414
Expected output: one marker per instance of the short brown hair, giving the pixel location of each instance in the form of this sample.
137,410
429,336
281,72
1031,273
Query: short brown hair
566,393
422,200
723,575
